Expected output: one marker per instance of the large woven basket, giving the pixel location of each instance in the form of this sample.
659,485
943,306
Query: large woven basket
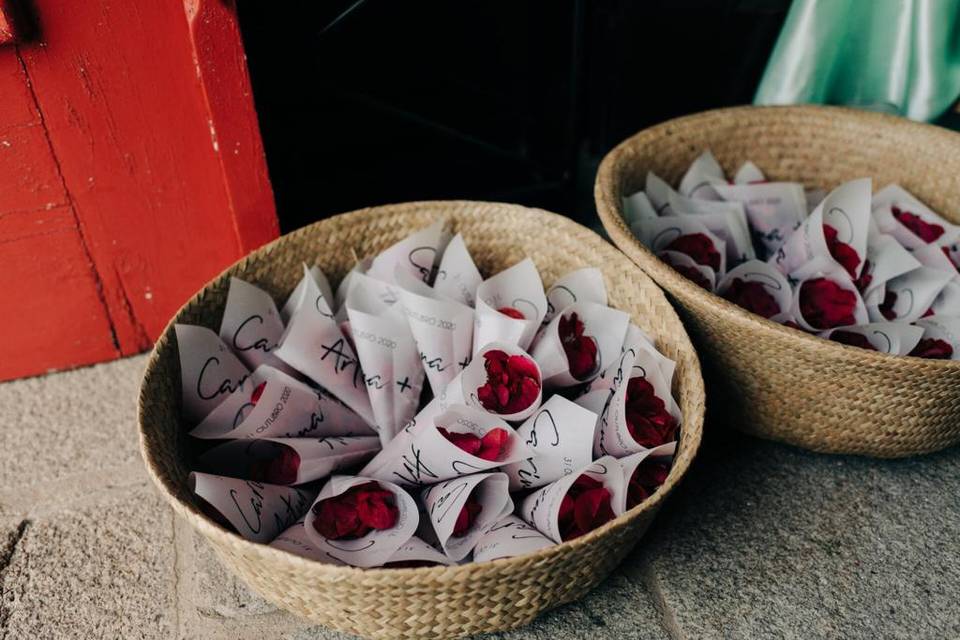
773,381
426,602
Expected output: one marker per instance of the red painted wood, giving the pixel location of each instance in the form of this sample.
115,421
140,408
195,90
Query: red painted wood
51,306
148,111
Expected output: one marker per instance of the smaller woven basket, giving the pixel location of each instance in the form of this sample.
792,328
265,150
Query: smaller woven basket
773,381
442,602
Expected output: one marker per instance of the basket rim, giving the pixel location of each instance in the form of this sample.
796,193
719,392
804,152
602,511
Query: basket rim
610,209
691,434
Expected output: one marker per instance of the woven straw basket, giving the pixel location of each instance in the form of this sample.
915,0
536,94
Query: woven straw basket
773,381
437,601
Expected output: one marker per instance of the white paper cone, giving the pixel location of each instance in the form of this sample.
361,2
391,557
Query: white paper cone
582,285
915,293
773,282
443,331
307,458
416,550
375,548
444,501
518,288
314,345
258,511
682,262
700,178
293,300
749,173
944,328
209,371
541,509
560,436
251,325
886,260
458,276
661,234
637,207
658,191
389,358
605,325
846,209
294,540
828,270
418,255
726,220
428,457
773,209
508,538
897,338
287,408
629,465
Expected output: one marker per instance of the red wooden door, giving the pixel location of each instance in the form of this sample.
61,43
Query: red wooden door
131,172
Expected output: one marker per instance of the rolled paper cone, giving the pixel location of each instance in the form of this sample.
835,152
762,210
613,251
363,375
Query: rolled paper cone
295,540
258,511
417,551
670,232
631,463
418,255
458,276
209,371
942,328
315,274
251,325
582,285
517,290
288,461
377,546
445,501
700,178
897,338
774,283
912,294
773,209
508,538
726,220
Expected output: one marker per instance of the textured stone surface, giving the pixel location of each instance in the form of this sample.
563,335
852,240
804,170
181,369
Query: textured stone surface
761,541
69,424
766,541
105,572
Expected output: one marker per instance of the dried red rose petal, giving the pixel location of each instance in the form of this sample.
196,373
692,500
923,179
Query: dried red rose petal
257,392
512,385
841,251
690,273
924,230
512,313
581,350
852,338
699,247
490,447
279,469
646,478
862,283
824,304
356,512
886,307
585,507
753,297
649,422
471,509
933,348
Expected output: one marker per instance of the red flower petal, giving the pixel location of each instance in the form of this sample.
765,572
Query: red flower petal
493,444
886,307
511,312
933,348
257,392
513,383
841,251
924,230
699,247
279,469
585,507
581,350
852,338
649,422
471,509
466,441
646,478
356,512
753,297
690,273
824,304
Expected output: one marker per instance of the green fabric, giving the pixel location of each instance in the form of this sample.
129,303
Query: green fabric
900,56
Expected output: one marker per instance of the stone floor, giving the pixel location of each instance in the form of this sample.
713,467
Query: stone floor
761,541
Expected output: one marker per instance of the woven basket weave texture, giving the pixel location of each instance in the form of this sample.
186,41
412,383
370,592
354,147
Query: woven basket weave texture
774,381
442,602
